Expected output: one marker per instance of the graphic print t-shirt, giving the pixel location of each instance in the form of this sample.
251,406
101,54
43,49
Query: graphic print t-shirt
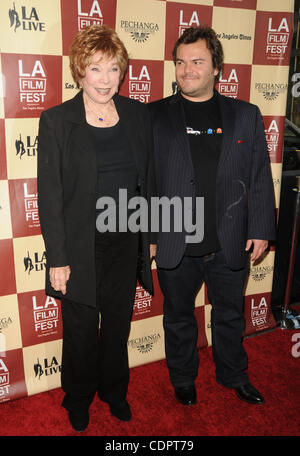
204,129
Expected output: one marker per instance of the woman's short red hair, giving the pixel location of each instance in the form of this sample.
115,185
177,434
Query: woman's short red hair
91,40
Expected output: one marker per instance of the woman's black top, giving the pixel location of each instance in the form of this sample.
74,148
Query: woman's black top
116,168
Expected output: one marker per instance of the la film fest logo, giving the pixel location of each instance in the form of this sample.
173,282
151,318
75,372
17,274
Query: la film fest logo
230,86
91,16
26,146
45,315
259,312
26,18
186,21
277,38
47,367
144,344
139,31
31,207
4,379
32,84
142,302
272,137
139,84
35,262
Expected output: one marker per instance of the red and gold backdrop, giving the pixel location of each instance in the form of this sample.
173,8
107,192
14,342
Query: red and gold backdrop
35,37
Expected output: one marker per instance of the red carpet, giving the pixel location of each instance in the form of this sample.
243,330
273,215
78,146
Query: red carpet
272,369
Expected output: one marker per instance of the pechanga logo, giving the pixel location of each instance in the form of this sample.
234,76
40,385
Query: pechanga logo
259,273
139,31
26,18
144,344
92,17
5,322
269,90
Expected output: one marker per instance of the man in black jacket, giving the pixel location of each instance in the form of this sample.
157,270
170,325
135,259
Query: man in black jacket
211,146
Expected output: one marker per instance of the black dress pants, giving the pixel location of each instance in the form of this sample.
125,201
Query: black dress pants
225,289
92,359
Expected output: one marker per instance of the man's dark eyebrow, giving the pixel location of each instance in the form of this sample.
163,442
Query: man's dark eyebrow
193,60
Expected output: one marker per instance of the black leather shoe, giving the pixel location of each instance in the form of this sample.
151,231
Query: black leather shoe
79,420
186,395
249,394
121,410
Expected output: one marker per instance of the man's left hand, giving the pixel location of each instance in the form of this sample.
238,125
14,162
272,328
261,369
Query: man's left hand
259,247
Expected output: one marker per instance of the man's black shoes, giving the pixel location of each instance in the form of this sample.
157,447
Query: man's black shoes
79,420
249,394
186,395
121,410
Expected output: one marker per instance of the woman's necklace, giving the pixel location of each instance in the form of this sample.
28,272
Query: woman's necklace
107,118
99,117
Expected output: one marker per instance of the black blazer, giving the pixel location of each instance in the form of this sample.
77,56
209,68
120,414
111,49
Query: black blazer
244,189
67,177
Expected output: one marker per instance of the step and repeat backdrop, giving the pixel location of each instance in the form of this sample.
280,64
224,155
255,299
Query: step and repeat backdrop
35,36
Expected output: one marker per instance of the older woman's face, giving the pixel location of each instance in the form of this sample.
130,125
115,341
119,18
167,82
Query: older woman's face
102,78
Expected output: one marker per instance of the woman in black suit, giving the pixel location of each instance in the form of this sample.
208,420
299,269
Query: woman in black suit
90,147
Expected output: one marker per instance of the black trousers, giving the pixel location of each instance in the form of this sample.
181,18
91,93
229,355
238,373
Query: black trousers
92,359
226,294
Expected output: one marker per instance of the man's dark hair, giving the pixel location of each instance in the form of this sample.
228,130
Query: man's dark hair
203,32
